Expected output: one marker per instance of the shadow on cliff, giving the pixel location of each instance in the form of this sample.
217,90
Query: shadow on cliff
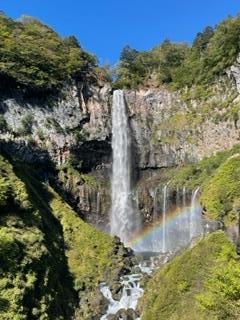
53,264
135,155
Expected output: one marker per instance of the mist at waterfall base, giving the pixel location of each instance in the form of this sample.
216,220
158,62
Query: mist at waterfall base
174,227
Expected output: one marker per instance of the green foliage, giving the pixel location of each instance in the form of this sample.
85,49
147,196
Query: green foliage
47,253
103,73
138,68
89,251
222,295
202,39
70,175
219,179
202,283
223,48
53,123
198,174
27,123
222,190
5,191
33,275
35,56
130,71
212,52
3,124
74,164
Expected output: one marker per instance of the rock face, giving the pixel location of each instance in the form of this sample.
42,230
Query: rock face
81,120
167,128
80,114
147,109
160,144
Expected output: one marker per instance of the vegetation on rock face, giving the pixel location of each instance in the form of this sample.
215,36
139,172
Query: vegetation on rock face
34,277
202,283
199,104
197,174
218,176
47,253
222,191
179,65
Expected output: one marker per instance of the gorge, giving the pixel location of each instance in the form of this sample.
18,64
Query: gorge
119,198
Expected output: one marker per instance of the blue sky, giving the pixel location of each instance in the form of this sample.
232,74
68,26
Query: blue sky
104,27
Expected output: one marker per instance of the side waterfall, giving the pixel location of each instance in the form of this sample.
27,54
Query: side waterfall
124,219
164,218
195,227
180,223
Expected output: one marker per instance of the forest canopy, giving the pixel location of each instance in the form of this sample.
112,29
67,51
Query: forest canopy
179,64
33,55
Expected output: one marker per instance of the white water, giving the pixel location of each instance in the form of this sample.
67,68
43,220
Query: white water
137,199
184,196
155,204
124,219
164,218
98,203
195,226
169,236
131,293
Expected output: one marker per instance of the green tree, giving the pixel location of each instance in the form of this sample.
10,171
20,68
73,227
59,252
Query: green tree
202,39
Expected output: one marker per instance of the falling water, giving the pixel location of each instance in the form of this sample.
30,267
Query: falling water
98,206
178,227
98,202
184,196
137,199
155,204
164,218
195,226
178,197
124,219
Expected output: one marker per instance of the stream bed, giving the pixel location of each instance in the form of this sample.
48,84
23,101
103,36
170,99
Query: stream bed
126,306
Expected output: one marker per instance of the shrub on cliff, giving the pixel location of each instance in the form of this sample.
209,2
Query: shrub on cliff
198,174
3,124
219,178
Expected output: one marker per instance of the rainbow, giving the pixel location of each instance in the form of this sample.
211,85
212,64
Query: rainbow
177,225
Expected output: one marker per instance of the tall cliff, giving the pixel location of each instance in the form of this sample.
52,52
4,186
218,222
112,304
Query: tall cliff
169,128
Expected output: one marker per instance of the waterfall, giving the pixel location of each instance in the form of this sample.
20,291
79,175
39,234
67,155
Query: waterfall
164,219
184,196
155,204
98,206
195,226
98,202
124,219
137,199
178,202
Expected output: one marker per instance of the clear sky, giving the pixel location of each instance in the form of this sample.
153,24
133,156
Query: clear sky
104,27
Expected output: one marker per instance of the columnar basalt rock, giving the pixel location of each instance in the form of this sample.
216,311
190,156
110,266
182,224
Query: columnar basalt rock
167,129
